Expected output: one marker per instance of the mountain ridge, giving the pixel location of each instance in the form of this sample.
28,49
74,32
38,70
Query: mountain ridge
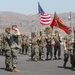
28,23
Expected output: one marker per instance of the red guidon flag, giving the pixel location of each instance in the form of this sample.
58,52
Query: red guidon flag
53,23
62,26
57,22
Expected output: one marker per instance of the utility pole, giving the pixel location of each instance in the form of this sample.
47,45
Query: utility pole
70,19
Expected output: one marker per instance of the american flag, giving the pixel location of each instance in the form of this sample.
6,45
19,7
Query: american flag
45,19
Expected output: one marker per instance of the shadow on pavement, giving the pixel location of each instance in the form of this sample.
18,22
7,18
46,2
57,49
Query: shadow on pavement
67,68
5,69
2,68
29,59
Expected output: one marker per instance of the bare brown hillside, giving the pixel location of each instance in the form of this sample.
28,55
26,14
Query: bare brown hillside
27,23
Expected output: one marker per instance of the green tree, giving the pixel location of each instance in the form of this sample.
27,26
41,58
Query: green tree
47,30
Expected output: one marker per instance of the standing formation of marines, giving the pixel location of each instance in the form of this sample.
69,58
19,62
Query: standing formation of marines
37,45
13,44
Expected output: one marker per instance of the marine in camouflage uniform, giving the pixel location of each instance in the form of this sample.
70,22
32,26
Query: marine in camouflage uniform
28,46
42,44
15,47
24,45
12,47
68,48
49,46
35,48
0,45
7,48
20,43
57,45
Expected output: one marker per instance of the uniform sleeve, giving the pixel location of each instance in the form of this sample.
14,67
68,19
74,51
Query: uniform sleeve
65,39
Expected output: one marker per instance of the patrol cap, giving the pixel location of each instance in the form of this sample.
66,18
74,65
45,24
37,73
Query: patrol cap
40,33
33,34
56,31
8,28
14,25
49,34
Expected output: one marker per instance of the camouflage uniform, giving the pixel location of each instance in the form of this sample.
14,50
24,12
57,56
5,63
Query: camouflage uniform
24,45
20,43
12,47
49,46
57,45
35,50
15,48
28,46
41,43
7,48
0,45
69,49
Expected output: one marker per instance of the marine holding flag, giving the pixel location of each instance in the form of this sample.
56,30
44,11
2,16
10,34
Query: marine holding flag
68,49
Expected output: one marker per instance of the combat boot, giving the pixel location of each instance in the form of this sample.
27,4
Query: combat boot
8,69
47,57
55,58
51,58
15,70
43,59
64,65
35,60
73,68
59,58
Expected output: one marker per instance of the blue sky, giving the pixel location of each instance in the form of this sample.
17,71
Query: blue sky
31,6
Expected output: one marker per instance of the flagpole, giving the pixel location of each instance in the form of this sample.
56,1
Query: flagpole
41,30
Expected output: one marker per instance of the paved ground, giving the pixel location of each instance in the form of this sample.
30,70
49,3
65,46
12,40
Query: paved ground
29,67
